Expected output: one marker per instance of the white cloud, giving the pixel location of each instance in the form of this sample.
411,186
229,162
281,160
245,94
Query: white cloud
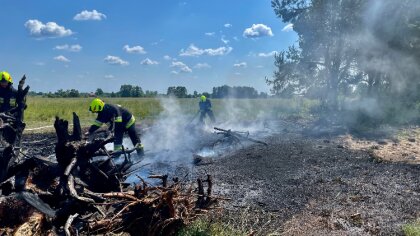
192,51
211,34
134,49
259,66
269,54
148,62
288,28
240,65
181,67
70,48
89,15
257,30
218,51
237,73
109,76
113,60
202,66
236,38
49,30
61,58
227,25
224,40
167,57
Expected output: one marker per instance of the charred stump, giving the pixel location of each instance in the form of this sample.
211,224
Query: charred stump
11,129
6,160
72,152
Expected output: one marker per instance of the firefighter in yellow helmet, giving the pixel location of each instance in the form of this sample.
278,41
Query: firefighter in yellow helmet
7,92
123,120
205,109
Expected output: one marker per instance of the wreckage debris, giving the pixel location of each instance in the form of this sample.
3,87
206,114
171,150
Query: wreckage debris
78,194
237,136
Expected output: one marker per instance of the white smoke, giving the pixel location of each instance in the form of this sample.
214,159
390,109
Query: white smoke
173,140
169,138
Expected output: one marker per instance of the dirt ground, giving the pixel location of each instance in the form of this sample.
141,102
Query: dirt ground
323,185
305,184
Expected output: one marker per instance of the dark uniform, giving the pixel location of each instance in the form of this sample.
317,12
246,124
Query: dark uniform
205,108
124,121
7,97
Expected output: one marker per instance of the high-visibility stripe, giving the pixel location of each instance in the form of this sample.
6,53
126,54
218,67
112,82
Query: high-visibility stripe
130,122
97,123
118,119
117,147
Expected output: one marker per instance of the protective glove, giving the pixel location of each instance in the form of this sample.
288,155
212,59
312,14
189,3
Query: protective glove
140,150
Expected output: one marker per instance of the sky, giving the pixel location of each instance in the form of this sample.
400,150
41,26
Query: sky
90,44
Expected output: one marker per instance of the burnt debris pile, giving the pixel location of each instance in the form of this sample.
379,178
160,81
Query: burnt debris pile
82,191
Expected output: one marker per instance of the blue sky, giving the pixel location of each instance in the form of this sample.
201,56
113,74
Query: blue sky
93,44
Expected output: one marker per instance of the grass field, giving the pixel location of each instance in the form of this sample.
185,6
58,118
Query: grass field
42,111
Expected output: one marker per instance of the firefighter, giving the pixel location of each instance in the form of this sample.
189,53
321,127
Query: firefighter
205,108
7,92
123,121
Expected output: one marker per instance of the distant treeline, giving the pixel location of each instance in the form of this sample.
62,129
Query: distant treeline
176,91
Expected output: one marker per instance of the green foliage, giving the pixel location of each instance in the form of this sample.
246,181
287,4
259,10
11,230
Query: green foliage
150,94
127,90
288,80
179,92
206,94
99,92
69,93
351,48
234,92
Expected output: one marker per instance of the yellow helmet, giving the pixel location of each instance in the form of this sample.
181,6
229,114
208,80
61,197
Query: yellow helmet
96,105
203,98
6,76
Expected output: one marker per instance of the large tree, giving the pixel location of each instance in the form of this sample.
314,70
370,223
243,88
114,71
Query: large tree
345,46
323,60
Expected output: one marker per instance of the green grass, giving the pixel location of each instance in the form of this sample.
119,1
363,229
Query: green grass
203,227
412,229
42,111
